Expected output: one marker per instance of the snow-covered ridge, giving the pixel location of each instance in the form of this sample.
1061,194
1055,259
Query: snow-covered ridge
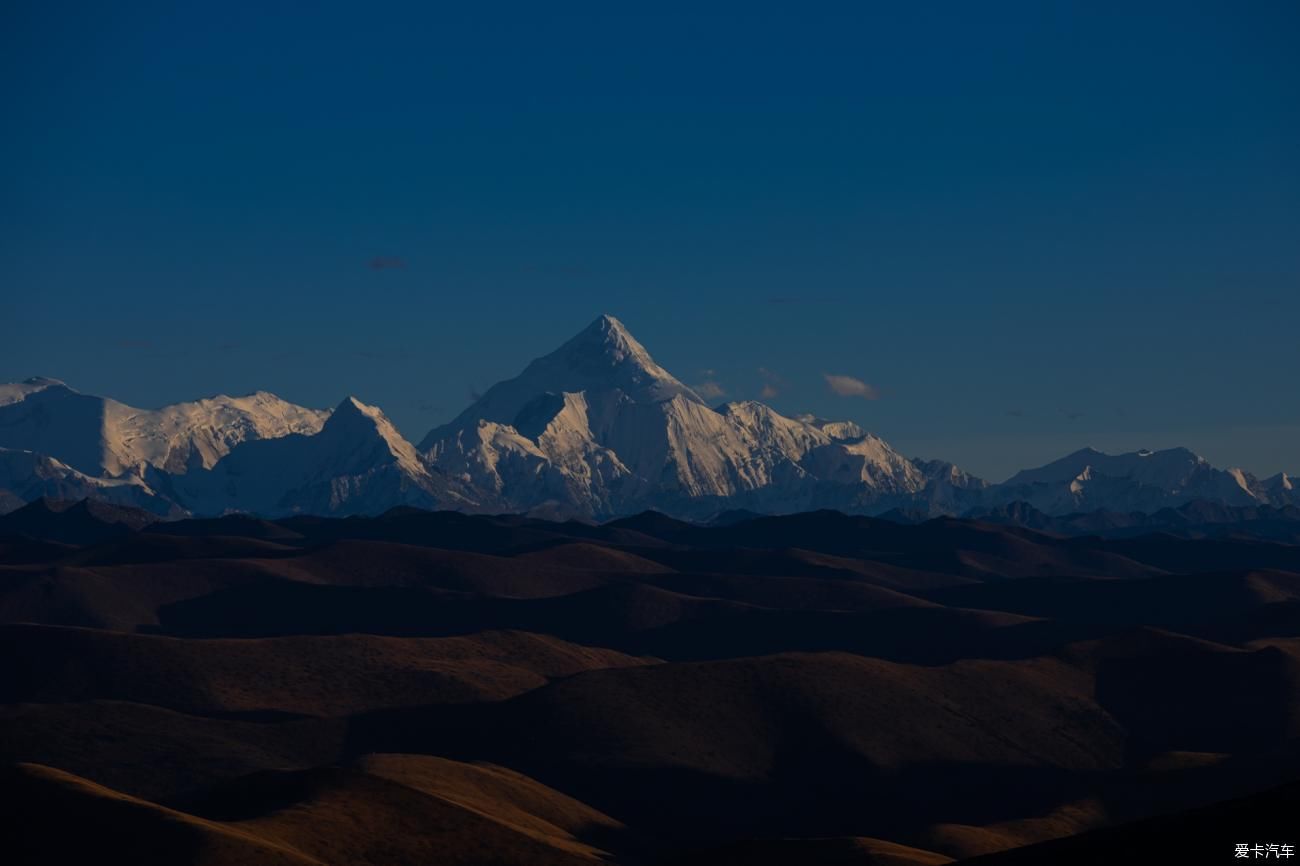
356,463
15,392
101,437
1141,480
595,429
26,476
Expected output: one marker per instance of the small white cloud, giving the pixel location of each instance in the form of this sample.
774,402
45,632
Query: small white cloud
847,386
710,390
773,383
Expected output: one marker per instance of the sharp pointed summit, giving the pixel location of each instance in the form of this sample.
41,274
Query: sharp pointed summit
604,357
605,345
598,428
351,410
363,427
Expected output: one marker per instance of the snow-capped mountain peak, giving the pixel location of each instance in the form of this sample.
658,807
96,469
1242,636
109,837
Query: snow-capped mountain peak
350,409
602,358
596,428
357,463
609,336
354,424
605,355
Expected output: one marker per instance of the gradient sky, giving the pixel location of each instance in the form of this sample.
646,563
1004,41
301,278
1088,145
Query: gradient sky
1029,226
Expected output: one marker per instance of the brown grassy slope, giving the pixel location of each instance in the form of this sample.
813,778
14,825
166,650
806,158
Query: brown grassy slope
317,676
592,557
55,817
1043,713
602,616
789,593
158,754
120,597
336,816
635,618
1205,835
1168,600
825,744
836,744
346,816
913,633
126,595
146,547
730,718
956,547
502,793
832,851
379,563
793,562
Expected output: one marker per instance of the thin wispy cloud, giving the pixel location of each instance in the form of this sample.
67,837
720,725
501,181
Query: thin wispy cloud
847,386
772,383
709,390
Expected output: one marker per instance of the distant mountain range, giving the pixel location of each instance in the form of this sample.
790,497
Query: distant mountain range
594,430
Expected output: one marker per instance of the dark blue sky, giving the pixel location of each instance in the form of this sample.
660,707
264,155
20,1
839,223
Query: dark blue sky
1031,226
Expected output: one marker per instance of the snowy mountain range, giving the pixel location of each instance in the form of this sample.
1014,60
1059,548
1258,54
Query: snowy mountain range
594,430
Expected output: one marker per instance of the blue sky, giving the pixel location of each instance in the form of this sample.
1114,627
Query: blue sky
1029,226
